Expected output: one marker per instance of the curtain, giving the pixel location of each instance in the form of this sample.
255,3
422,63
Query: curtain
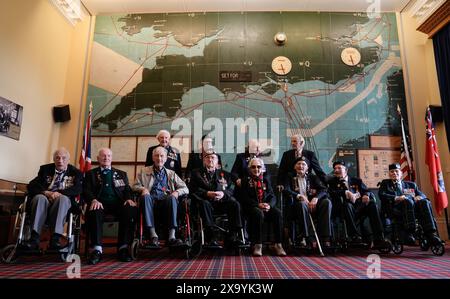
441,44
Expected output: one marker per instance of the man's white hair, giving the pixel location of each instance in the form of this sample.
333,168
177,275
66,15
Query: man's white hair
162,132
299,137
62,150
159,149
104,149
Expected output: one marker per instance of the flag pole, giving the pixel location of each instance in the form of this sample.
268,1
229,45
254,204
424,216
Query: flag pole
446,221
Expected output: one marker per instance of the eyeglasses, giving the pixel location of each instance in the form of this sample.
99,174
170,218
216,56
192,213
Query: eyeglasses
256,166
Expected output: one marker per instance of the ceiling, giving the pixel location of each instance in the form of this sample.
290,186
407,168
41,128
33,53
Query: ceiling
96,7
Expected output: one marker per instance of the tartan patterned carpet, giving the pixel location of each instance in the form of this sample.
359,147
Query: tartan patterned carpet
162,264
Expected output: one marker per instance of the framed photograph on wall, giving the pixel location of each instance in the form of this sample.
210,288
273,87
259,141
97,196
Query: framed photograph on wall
11,115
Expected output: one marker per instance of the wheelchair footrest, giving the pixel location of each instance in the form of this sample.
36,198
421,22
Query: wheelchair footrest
150,246
208,246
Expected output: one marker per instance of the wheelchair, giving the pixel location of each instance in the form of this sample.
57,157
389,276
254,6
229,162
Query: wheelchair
185,232
342,240
22,231
294,240
220,229
394,231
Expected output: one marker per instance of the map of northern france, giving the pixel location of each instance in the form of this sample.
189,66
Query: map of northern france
149,69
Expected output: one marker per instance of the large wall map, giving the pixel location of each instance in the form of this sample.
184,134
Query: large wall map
150,69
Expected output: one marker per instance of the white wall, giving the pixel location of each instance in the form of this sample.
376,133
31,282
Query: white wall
36,63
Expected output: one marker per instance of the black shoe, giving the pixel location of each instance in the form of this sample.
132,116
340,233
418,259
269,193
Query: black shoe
55,242
95,257
33,243
175,242
410,240
154,242
124,255
30,246
300,242
234,240
356,240
381,244
213,244
239,242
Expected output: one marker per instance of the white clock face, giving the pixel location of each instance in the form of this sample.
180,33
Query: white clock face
350,56
281,65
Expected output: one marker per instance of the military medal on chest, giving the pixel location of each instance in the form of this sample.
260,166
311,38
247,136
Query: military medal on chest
223,181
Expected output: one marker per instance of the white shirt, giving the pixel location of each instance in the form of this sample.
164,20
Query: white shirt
301,181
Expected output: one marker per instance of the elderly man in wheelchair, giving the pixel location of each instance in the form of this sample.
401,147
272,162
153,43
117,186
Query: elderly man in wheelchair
53,193
213,193
353,202
160,190
403,201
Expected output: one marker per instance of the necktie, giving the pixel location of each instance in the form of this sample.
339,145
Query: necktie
57,184
209,176
398,189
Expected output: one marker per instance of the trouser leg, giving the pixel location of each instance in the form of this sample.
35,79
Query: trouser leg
127,222
95,221
39,209
58,213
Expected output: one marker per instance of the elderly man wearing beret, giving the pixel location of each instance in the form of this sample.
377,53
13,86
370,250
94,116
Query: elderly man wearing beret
404,198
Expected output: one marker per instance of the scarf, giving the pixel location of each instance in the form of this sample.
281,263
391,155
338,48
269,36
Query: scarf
259,188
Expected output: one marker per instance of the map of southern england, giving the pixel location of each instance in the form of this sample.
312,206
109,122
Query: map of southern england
148,70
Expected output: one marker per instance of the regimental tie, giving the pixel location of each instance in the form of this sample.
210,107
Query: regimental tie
58,182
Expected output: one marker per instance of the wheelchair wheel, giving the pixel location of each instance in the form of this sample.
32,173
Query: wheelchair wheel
397,248
134,249
438,249
195,249
9,254
66,252
424,245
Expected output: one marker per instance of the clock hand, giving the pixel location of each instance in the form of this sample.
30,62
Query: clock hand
282,68
351,58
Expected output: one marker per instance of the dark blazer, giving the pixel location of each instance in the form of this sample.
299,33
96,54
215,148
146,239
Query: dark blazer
287,165
248,197
196,162
221,181
173,159
72,181
337,188
314,187
92,185
387,191
240,167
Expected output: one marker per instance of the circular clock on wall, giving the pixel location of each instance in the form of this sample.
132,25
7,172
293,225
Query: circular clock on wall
281,65
351,56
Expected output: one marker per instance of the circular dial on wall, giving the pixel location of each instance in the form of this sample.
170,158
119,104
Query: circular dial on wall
281,65
351,56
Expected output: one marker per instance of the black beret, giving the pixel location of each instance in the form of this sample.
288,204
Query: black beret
394,166
302,158
339,163
209,153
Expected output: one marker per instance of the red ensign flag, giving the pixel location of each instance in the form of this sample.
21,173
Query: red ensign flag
434,164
